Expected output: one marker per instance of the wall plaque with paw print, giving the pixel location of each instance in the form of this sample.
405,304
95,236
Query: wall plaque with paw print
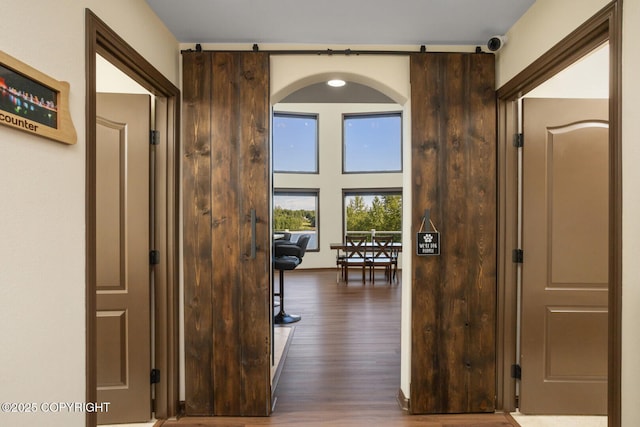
428,243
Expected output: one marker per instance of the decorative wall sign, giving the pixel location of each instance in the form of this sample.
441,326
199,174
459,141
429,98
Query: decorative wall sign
427,243
33,102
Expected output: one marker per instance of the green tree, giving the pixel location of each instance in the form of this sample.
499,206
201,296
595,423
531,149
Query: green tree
357,215
384,214
287,219
392,212
377,214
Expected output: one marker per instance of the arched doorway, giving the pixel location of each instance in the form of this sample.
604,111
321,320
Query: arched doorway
388,77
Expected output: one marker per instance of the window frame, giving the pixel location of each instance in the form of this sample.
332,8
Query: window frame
298,115
374,191
376,114
315,192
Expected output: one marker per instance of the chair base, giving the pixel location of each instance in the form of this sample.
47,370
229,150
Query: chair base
283,318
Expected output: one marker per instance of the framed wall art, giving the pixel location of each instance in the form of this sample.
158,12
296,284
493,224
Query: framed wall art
33,102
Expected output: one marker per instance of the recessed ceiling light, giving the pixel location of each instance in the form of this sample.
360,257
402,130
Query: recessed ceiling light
336,83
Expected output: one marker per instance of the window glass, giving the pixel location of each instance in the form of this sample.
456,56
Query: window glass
372,143
375,212
296,212
295,143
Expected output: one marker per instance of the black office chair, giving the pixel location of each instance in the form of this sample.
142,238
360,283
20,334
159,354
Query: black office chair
288,257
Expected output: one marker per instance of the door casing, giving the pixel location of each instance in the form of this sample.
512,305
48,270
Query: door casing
100,39
605,26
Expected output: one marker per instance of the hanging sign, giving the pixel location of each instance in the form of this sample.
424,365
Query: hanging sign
427,243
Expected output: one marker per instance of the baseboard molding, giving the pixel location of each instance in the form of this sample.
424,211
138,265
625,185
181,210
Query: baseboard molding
403,401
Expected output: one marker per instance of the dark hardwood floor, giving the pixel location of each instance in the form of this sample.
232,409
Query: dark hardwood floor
343,363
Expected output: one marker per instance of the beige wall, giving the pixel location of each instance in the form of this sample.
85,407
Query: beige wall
42,206
540,28
545,24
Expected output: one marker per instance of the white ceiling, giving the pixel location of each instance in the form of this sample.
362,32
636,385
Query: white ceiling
339,22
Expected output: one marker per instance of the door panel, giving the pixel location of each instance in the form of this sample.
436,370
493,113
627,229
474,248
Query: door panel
453,313
227,255
565,269
122,252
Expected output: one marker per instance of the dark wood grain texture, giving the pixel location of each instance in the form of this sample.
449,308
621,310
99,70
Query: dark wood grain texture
454,174
197,258
255,177
232,374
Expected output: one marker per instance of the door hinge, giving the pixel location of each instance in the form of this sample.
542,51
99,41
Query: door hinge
155,376
516,372
154,257
154,137
518,256
518,140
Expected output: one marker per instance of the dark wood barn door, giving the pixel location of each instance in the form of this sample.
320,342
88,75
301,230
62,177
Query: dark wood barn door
226,233
453,113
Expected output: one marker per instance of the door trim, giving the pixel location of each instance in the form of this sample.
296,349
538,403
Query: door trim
100,39
606,25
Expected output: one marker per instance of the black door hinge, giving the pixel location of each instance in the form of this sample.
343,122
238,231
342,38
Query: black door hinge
155,376
516,372
518,141
154,257
518,256
154,137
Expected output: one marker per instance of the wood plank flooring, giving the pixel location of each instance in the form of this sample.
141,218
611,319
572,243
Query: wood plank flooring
343,363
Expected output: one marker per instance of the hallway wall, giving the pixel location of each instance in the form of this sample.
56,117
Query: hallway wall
42,210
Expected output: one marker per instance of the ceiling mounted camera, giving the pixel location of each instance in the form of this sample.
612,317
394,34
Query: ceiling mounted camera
495,43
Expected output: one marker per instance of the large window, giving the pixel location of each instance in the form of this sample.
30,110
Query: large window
373,211
372,143
295,143
296,211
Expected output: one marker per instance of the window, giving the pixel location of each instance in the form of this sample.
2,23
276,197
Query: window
373,211
372,143
295,143
296,211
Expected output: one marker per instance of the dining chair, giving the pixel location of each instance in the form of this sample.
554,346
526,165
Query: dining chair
355,255
383,255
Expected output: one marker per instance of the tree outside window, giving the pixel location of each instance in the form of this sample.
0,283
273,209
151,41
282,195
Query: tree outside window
379,211
297,213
